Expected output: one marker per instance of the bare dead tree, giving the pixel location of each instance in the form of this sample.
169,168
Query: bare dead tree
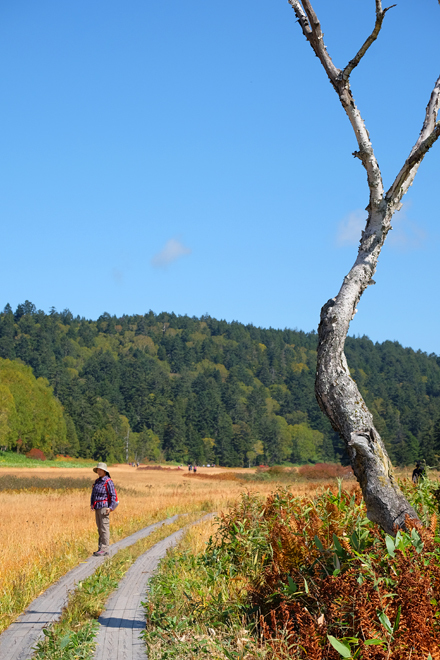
336,392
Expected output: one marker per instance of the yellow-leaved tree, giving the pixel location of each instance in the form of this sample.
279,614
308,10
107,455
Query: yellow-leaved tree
30,415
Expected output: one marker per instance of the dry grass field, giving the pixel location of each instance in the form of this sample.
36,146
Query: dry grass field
44,533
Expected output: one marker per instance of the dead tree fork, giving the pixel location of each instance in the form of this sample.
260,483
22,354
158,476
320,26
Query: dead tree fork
336,392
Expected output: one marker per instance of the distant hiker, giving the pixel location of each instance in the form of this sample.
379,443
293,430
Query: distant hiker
189,468
195,468
103,501
417,473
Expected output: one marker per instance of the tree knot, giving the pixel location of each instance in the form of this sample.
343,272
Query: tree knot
361,442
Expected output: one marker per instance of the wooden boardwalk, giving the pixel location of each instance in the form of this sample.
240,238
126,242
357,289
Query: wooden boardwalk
17,641
124,618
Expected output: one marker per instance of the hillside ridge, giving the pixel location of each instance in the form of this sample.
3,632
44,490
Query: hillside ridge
203,390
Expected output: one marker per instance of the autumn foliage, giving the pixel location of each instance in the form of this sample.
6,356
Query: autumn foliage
36,454
328,584
219,476
325,471
160,468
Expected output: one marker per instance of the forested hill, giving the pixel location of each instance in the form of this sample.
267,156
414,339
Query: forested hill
204,390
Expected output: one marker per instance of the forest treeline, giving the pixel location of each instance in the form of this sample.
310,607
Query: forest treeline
168,387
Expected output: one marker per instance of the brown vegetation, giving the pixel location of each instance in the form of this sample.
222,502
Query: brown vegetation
219,476
326,471
329,574
36,454
160,467
47,531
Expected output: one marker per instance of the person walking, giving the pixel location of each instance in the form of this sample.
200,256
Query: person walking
102,501
418,472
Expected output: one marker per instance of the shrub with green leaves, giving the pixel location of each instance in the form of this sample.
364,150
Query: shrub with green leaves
306,578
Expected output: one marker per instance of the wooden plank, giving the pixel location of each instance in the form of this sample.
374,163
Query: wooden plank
126,603
16,642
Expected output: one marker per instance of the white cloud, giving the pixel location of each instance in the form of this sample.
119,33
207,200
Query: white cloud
350,228
406,235
173,250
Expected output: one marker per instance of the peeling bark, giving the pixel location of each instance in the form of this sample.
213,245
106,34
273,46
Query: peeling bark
336,392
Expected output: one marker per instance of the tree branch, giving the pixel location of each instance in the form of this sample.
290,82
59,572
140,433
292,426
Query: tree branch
301,16
428,135
311,28
380,15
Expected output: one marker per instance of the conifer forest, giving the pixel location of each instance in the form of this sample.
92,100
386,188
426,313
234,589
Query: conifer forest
201,390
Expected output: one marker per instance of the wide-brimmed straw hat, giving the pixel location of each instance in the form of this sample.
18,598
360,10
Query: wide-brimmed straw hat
101,466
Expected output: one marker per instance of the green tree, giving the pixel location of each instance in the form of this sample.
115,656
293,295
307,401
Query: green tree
36,417
209,449
8,415
307,444
148,447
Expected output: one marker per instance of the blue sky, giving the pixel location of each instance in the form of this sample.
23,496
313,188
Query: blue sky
192,157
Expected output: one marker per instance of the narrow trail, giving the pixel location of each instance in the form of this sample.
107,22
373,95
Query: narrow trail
124,618
16,642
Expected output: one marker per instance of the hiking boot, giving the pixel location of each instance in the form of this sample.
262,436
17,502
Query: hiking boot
100,553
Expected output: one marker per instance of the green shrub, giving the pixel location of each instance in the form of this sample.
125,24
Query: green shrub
305,578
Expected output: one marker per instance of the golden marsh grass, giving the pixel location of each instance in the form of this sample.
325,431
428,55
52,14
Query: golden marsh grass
45,533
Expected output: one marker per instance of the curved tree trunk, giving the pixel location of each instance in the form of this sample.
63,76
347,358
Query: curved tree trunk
336,392
340,399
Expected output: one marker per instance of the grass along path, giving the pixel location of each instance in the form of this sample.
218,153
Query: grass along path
196,609
17,641
64,554
122,623
46,532
73,637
